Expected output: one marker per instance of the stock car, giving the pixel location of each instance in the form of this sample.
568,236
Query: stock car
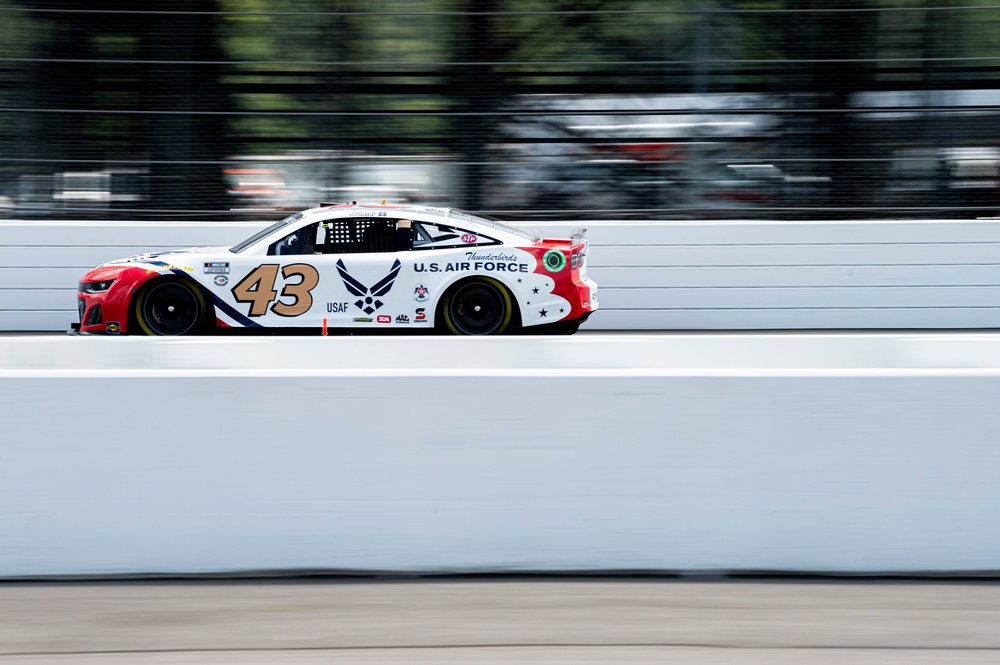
354,267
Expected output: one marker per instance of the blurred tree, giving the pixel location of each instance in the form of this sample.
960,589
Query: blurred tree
22,39
183,85
825,54
186,131
474,83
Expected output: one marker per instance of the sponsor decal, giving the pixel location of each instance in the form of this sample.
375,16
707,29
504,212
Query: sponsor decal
113,328
469,238
368,300
403,319
554,260
221,280
383,318
462,266
171,266
478,261
491,256
421,292
217,267
338,307
420,316
362,319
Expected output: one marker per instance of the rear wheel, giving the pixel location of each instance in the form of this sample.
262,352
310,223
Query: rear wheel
479,306
169,308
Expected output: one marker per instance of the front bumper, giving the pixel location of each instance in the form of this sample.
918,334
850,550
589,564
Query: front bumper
101,314
106,312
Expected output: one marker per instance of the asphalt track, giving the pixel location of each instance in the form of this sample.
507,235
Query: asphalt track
462,620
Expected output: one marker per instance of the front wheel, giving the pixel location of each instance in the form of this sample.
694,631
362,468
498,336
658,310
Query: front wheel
169,308
479,306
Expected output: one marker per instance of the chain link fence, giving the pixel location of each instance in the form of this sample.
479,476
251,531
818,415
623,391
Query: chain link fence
229,109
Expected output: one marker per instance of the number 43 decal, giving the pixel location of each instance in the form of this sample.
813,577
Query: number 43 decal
257,288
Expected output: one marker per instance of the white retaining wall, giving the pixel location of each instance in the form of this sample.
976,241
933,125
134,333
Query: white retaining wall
652,275
837,453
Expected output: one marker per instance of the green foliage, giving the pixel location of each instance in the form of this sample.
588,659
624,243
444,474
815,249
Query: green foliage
421,76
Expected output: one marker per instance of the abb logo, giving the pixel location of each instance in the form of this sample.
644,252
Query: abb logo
384,318
469,237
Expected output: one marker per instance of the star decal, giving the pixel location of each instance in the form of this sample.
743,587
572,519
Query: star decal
543,312
518,280
534,290
561,310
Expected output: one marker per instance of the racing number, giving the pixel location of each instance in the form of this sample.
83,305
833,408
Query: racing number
257,288
252,289
300,291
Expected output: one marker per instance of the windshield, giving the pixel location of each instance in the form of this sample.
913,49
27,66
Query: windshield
236,249
492,222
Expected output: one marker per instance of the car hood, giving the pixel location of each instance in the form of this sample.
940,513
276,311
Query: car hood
168,255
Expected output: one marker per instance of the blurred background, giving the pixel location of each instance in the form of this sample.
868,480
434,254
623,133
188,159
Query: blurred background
532,109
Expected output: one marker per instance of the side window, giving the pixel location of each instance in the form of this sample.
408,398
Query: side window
437,236
373,235
302,241
363,235
379,235
432,234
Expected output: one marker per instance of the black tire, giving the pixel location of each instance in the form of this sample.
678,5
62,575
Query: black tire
479,306
169,307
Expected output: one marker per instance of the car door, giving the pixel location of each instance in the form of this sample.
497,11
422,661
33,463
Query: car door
341,270
363,258
278,288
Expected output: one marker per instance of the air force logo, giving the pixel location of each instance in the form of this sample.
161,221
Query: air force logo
368,301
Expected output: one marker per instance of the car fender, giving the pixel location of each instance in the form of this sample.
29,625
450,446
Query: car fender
145,275
454,281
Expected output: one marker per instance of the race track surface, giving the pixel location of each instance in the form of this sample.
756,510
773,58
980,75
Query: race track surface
499,621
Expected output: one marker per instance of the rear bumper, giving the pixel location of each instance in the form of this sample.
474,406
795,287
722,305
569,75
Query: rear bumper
565,327
588,295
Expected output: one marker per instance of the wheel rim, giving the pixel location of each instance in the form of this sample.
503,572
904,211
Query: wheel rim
170,309
477,309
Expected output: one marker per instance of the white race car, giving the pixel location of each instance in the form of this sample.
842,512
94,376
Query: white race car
354,267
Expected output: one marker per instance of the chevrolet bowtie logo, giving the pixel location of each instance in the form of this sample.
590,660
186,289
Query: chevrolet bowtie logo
369,301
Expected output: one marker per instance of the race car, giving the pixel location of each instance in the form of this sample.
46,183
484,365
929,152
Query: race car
352,267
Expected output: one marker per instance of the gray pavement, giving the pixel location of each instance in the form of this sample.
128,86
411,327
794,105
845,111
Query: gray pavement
524,621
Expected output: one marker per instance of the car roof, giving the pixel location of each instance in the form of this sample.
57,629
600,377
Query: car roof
402,208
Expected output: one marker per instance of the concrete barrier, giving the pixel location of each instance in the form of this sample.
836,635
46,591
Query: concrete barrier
836,453
706,275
